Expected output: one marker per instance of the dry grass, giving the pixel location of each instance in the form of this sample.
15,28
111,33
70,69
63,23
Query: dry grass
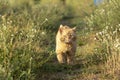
27,44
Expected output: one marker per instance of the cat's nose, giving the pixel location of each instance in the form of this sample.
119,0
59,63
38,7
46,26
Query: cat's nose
68,42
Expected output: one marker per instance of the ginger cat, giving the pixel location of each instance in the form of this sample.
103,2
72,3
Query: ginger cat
66,44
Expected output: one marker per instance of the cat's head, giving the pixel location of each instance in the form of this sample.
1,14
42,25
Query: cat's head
68,35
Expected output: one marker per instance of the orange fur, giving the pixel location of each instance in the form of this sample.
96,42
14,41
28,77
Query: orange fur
66,44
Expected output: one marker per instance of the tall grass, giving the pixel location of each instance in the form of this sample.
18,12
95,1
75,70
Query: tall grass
27,32
106,20
26,38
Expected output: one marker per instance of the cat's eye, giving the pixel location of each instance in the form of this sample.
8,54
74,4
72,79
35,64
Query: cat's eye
71,34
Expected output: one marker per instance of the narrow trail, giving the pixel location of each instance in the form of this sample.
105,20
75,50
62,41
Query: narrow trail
81,70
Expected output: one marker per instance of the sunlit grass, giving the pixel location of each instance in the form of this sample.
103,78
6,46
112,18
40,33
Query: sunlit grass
27,39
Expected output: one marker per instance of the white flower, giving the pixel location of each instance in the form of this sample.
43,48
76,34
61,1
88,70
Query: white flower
12,35
100,33
106,27
96,49
96,34
21,33
8,22
114,32
118,24
111,27
11,21
117,45
34,30
43,33
46,19
95,38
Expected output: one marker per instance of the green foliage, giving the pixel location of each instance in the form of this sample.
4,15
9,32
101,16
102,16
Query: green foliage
111,39
19,48
26,38
106,15
106,20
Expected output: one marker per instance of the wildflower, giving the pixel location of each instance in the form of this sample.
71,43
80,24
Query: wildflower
117,45
46,19
43,33
3,17
21,33
12,35
106,27
34,30
8,22
114,32
111,27
100,33
97,34
96,49
118,24
95,38
31,58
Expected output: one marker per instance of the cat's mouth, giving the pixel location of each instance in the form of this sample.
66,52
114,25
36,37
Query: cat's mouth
67,42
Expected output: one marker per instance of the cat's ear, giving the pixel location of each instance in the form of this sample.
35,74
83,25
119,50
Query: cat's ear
74,29
61,28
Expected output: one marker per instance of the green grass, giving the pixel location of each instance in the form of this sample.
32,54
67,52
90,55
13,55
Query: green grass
27,40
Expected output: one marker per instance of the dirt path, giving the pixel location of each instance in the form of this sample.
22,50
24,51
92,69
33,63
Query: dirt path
83,69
